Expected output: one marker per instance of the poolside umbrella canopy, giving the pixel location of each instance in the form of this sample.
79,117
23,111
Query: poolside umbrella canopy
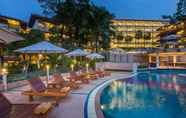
95,56
42,47
77,52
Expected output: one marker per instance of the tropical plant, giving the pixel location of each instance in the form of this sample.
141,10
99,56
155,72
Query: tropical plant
179,12
101,26
82,22
178,16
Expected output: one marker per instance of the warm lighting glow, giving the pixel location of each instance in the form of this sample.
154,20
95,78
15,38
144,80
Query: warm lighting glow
130,27
13,22
47,67
40,56
4,71
72,67
87,65
74,61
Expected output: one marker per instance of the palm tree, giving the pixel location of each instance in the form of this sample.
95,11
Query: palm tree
81,20
101,26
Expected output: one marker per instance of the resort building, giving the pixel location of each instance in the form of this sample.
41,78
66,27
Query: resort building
173,35
173,47
43,24
130,34
12,24
133,34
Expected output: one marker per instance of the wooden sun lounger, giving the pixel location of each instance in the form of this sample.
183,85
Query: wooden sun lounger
56,94
58,80
103,73
39,89
8,110
89,75
75,77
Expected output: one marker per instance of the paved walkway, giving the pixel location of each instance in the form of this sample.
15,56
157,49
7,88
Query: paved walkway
70,107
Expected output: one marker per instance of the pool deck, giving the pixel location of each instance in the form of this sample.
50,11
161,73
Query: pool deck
72,106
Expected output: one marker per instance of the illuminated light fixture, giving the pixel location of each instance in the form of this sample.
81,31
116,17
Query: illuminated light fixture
4,71
72,67
87,66
47,66
40,56
102,107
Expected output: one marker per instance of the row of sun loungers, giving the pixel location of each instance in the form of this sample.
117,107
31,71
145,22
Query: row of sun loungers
58,88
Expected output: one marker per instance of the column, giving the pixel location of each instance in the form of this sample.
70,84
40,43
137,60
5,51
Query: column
157,60
135,67
150,61
174,60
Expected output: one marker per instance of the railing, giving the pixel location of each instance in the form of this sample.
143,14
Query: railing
115,66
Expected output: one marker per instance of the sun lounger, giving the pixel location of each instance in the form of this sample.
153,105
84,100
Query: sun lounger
58,81
38,89
103,73
8,110
5,107
90,74
75,77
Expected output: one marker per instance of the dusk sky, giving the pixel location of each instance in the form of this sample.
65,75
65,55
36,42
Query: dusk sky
137,9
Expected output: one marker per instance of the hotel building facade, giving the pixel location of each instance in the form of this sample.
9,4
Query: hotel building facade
134,34
130,33
12,24
173,49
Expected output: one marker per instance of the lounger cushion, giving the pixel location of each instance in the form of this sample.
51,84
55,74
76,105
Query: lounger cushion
37,85
58,78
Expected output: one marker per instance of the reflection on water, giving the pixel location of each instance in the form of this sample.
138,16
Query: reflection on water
163,95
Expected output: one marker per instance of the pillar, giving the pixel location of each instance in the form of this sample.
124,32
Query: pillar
150,61
174,60
157,60
135,67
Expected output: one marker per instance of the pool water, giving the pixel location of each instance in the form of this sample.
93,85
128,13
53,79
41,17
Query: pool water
150,94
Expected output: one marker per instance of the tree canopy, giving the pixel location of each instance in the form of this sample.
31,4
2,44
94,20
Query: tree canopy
82,22
179,15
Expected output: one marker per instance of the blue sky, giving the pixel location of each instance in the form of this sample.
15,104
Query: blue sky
138,9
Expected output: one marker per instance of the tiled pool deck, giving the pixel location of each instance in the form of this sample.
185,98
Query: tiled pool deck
74,105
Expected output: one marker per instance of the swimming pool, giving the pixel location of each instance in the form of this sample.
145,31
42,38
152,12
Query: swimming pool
150,94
